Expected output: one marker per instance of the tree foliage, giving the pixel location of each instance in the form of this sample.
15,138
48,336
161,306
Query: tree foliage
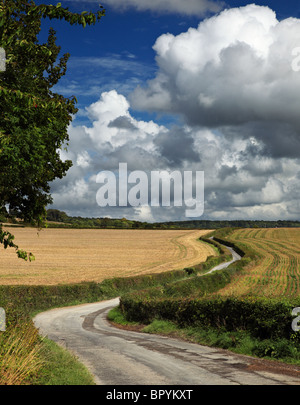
33,119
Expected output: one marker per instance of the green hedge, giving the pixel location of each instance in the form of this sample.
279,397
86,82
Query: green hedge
262,318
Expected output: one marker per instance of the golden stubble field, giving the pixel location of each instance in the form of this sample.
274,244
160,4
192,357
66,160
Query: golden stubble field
277,272
64,256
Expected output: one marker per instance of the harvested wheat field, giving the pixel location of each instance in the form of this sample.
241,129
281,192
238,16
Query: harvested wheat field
277,272
75,255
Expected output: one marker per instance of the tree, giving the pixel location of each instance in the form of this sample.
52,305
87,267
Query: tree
33,118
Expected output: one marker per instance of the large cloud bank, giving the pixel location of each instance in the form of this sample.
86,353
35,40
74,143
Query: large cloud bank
235,68
233,82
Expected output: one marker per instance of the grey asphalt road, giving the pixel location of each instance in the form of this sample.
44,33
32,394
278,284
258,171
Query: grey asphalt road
119,357
235,257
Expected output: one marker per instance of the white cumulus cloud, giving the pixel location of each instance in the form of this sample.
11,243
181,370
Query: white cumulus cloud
234,68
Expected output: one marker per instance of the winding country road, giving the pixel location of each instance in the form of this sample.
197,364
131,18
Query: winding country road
120,357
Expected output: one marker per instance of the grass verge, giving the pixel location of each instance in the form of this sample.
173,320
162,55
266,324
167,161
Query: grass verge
21,354
60,367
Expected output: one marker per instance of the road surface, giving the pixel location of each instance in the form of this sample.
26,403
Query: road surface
235,257
119,357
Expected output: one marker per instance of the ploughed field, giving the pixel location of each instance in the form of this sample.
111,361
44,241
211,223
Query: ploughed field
276,272
75,255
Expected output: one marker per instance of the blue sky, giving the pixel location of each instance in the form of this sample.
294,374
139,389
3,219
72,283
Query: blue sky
121,44
197,85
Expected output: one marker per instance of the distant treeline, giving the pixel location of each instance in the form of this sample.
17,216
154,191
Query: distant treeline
60,219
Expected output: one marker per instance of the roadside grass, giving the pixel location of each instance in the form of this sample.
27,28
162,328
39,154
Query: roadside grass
21,354
60,367
28,359
160,326
116,316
